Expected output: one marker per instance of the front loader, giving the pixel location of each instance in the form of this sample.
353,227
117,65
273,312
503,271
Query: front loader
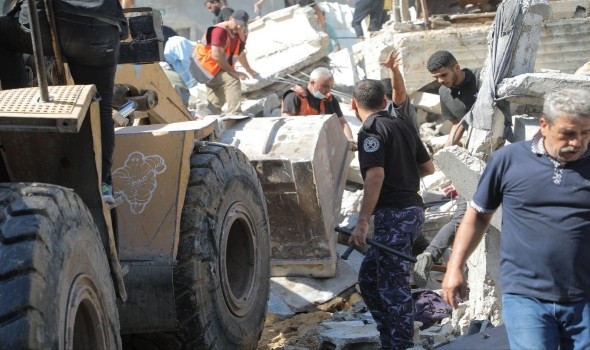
184,258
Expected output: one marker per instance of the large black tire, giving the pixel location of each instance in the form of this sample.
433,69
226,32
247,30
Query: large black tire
56,290
223,273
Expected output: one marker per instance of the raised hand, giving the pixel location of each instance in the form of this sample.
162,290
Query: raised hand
393,60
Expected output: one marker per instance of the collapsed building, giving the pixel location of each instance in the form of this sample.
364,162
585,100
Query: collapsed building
532,62
550,42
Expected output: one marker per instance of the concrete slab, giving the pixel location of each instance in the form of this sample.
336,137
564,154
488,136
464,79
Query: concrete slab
349,335
531,87
304,294
273,54
437,334
262,107
492,339
277,310
426,101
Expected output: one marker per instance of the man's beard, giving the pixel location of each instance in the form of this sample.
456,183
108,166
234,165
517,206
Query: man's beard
216,11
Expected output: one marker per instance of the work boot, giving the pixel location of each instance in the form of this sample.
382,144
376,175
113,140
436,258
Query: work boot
421,271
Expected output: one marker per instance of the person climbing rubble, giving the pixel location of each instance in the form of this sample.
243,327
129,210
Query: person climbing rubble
216,55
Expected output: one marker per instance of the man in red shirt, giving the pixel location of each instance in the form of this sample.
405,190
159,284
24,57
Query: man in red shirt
221,47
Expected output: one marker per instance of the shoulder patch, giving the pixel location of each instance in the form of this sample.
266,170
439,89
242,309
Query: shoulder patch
371,144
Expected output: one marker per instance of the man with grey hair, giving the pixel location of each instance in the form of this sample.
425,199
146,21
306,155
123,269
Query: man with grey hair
544,187
316,99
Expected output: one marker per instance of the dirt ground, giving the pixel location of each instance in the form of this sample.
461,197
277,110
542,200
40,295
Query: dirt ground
301,330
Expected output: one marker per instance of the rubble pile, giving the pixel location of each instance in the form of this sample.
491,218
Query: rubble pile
467,36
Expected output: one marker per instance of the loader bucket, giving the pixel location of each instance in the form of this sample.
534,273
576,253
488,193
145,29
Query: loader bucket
302,163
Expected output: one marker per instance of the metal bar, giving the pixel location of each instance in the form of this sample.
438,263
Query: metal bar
379,246
38,51
59,63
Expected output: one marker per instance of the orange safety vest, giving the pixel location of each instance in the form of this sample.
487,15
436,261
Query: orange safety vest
207,67
306,109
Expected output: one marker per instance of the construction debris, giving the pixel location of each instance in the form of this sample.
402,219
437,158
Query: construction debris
554,43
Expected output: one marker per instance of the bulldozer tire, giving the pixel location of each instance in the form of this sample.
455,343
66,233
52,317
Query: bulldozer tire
56,290
222,278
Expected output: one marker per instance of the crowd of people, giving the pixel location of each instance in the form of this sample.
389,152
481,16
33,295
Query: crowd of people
545,271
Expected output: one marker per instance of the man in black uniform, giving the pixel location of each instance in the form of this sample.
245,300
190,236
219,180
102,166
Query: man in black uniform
89,32
392,160
458,90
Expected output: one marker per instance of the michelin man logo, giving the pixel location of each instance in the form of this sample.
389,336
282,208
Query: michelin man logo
137,179
371,144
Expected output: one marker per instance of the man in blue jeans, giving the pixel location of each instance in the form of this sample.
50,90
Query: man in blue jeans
544,188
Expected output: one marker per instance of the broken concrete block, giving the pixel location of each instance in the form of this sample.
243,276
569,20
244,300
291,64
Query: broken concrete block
530,88
426,101
437,334
273,54
305,293
349,335
484,279
435,181
461,167
261,107
438,142
277,310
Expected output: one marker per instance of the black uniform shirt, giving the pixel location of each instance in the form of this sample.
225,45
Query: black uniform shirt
394,145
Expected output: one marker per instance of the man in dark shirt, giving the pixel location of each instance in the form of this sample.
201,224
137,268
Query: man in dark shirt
544,188
89,33
316,99
392,160
458,90
219,9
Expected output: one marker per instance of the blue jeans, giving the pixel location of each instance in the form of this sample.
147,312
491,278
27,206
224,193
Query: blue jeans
536,324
